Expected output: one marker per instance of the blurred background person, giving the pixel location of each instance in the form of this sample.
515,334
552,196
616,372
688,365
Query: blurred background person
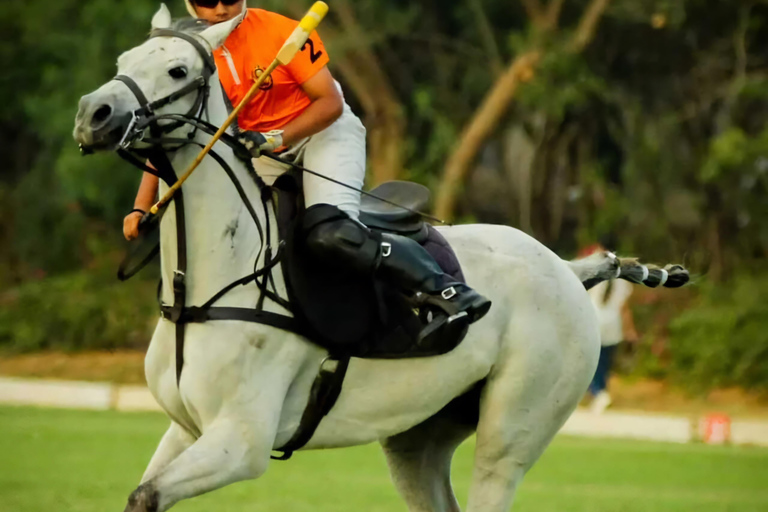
616,325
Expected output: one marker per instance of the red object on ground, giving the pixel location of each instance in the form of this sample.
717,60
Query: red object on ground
715,429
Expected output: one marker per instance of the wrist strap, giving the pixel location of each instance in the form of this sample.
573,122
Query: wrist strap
137,210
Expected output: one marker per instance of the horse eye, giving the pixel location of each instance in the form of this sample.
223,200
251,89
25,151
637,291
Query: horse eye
178,73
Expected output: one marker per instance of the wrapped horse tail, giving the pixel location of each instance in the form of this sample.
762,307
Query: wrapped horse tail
604,266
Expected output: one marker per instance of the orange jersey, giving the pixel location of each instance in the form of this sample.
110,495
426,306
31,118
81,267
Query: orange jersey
248,51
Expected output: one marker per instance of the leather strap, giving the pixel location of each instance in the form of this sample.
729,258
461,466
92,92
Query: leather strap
210,64
131,159
196,315
135,89
322,397
180,328
195,85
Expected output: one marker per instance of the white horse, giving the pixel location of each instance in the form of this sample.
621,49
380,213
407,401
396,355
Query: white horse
244,386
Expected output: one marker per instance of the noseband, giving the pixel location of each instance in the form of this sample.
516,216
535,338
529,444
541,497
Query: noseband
144,116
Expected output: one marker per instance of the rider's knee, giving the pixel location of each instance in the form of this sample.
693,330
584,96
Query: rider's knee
332,236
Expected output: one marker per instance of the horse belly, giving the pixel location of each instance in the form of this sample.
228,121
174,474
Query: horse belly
381,398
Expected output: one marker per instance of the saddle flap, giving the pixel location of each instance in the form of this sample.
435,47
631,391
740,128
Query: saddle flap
386,217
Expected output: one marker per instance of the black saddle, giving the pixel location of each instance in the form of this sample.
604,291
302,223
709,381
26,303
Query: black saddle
386,217
346,314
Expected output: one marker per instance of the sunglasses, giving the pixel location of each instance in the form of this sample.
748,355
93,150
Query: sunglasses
210,4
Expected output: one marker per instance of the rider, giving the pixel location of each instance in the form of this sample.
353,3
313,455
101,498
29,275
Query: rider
301,113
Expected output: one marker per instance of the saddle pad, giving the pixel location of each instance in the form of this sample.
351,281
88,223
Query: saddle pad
437,246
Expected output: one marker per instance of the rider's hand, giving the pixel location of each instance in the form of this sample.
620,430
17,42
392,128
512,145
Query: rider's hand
131,225
257,142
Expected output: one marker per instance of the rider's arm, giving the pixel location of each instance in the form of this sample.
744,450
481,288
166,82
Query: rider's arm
145,198
147,193
326,107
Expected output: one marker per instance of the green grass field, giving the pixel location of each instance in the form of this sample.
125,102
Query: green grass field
63,461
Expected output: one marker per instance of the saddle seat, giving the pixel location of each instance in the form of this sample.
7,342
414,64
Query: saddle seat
386,217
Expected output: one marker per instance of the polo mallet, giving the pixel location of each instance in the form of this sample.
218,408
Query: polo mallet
289,50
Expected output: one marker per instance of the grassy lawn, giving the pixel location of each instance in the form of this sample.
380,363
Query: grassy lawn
90,461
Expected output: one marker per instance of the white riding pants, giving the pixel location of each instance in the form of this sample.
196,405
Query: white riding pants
337,152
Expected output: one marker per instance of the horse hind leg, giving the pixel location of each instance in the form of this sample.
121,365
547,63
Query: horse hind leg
419,459
528,397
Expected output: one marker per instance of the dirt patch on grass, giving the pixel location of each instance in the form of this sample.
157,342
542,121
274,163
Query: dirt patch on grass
127,367
659,396
123,367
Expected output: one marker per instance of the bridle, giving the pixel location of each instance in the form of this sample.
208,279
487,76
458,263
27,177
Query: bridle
158,145
144,117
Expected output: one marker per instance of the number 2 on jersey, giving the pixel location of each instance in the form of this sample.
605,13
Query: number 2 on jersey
313,56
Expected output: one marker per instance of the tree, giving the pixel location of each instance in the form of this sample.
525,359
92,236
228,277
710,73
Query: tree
522,68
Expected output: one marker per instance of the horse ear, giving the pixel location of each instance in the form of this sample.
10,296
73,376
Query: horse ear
162,18
218,33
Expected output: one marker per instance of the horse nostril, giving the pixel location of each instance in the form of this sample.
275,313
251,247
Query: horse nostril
102,114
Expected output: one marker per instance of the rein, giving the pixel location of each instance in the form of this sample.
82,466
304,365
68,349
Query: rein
143,118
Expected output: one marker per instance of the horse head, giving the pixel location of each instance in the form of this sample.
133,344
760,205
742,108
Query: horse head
162,68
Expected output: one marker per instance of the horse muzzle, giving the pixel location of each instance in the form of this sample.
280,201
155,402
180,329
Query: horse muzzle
100,122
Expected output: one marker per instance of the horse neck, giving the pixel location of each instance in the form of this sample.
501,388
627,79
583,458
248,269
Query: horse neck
222,239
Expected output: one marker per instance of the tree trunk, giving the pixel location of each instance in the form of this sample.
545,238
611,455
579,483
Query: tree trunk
482,124
588,25
496,103
384,116
384,119
559,183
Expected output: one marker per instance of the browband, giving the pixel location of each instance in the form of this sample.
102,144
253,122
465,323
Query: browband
205,54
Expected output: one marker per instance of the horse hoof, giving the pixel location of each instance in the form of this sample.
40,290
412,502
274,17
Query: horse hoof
143,499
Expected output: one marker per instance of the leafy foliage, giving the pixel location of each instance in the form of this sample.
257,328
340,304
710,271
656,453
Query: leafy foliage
60,52
77,311
652,140
722,340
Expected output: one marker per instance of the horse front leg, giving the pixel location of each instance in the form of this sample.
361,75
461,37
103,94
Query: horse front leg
230,450
175,440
